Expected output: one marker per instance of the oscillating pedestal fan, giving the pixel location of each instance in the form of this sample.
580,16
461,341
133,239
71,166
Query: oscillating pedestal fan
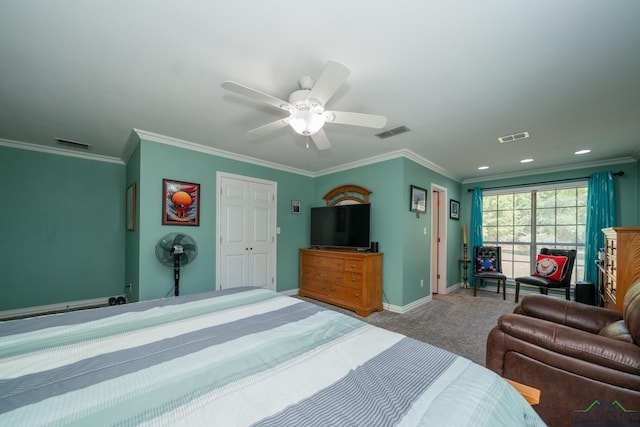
176,250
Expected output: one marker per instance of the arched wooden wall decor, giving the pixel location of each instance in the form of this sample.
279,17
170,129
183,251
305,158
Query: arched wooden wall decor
344,193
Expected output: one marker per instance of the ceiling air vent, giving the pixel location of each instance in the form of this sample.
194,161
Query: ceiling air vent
72,144
513,138
392,132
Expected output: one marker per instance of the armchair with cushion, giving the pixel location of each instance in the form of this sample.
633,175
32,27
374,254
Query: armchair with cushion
553,269
573,353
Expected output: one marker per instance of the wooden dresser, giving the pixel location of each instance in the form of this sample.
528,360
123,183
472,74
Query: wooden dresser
621,263
351,280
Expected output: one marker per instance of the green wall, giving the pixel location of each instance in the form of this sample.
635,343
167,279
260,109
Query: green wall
417,246
159,161
132,237
407,251
383,180
62,233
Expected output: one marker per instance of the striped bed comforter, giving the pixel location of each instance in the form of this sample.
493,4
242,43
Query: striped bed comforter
239,357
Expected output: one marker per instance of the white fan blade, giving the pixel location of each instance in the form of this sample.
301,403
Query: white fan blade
321,140
256,95
355,119
332,76
270,127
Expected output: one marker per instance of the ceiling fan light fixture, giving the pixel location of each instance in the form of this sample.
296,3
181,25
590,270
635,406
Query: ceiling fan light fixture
306,122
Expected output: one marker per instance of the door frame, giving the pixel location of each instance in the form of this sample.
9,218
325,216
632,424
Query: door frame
220,175
438,261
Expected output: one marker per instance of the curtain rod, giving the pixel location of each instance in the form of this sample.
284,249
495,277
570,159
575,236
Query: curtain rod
619,173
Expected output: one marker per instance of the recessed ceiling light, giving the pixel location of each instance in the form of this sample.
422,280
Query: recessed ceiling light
582,152
483,167
526,160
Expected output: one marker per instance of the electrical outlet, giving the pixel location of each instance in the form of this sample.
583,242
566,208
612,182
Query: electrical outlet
425,231
422,283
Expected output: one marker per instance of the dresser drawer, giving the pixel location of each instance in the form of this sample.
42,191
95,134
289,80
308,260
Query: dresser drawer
329,262
307,259
313,285
353,265
308,271
353,296
353,280
326,275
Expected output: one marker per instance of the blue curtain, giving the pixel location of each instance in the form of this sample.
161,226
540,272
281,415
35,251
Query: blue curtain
601,213
476,228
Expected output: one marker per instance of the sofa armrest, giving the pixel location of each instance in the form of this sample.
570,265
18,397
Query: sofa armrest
578,344
569,313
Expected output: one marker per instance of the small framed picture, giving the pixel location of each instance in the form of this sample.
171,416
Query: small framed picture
180,203
454,209
418,200
295,207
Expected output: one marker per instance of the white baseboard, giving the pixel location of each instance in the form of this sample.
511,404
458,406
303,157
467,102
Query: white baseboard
404,308
453,288
55,308
290,292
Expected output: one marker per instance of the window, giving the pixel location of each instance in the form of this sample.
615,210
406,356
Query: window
523,221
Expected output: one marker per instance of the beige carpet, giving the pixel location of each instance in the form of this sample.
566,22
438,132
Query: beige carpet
457,321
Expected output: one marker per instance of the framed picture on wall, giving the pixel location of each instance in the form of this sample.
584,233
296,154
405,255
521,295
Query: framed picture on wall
180,203
418,200
295,207
454,209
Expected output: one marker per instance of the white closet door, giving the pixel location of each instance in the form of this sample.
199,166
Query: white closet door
261,235
246,228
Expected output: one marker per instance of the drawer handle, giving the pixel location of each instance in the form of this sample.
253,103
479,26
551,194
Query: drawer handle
322,287
353,266
353,279
333,289
339,276
356,295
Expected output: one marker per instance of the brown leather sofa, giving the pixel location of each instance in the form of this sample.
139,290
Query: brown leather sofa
575,354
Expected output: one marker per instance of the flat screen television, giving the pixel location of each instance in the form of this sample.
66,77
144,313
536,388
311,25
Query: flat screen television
341,226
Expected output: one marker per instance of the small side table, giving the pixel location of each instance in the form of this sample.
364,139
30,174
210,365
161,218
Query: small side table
531,395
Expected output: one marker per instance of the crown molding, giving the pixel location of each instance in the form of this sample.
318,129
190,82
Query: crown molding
162,139
601,163
58,151
405,153
138,134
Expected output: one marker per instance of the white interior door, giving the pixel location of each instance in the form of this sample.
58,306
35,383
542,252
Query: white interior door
246,232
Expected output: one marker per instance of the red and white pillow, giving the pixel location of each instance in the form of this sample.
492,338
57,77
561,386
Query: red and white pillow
550,266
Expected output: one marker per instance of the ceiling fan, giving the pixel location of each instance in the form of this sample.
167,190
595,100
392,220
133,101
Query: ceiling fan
306,107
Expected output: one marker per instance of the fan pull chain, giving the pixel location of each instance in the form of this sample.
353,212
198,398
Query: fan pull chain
307,141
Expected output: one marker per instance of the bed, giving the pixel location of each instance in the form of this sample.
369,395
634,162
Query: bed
243,356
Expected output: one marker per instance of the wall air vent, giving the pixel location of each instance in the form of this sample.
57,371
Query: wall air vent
513,138
72,144
393,132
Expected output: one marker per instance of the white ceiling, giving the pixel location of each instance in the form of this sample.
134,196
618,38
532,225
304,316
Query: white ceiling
458,73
